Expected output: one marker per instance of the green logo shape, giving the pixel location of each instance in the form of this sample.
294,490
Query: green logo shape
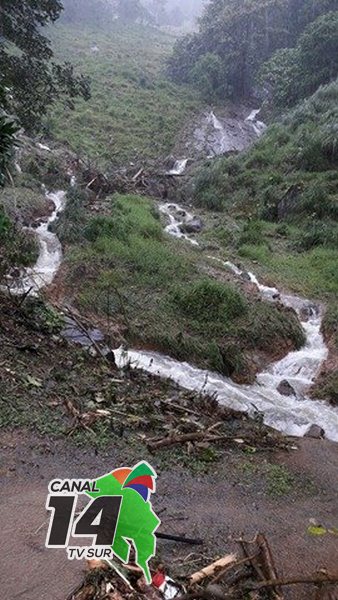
137,522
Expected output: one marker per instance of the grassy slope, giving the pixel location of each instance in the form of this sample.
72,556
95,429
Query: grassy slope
134,111
300,249
125,269
296,160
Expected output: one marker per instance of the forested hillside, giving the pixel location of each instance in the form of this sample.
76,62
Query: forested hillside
236,38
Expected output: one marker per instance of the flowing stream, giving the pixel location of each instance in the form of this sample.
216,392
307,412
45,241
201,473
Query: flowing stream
177,217
179,167
292,415
50,254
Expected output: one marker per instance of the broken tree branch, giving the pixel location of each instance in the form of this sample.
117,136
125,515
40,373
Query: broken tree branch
210,570
220,575
192,437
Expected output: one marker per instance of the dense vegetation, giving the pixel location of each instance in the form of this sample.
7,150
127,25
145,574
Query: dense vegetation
29,77
295,73
283,195
277,203
236,37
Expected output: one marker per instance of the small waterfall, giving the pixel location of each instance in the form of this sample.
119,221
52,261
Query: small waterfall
177,217
258,126
50,255
179,167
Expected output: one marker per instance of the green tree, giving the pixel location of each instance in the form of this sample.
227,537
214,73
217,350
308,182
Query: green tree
8,129
280,77
27,70
244,34
208,75
293,74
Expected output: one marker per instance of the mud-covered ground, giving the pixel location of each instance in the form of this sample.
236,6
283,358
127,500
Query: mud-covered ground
49,392
232,498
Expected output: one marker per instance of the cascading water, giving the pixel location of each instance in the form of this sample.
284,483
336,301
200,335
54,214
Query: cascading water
179,167
258,126
292,415
177,218
50,254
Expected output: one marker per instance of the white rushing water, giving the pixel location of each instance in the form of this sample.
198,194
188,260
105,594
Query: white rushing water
177,217
292,415
50,254
179,167
258,126
231,134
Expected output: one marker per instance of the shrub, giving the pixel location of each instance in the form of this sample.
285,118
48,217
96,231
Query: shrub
17,248
319,234
252,233
330,323
72,222
130,215
267,323
208,300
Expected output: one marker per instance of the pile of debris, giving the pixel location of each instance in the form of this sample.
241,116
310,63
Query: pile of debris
249,573
150,180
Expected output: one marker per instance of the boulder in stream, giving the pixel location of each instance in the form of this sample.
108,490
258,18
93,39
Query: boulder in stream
286,389
316,432
194,225
308,311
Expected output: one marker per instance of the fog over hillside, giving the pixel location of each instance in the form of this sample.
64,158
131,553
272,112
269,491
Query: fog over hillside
172,13
177,12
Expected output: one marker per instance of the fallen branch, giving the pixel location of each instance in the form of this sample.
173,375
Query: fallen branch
135,178
185,409
179,538
315,579
243,561
210,570
192,437
267,563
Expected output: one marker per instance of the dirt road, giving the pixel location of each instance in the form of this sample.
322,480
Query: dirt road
234,497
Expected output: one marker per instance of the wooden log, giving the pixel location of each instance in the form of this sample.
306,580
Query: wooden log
211,569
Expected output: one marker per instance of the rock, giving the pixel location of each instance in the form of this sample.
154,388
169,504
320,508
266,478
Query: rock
245,276
194,225
286,389
215,590
316,432
308,311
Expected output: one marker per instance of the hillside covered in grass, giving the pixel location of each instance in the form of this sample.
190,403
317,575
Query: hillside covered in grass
134,111
156,293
